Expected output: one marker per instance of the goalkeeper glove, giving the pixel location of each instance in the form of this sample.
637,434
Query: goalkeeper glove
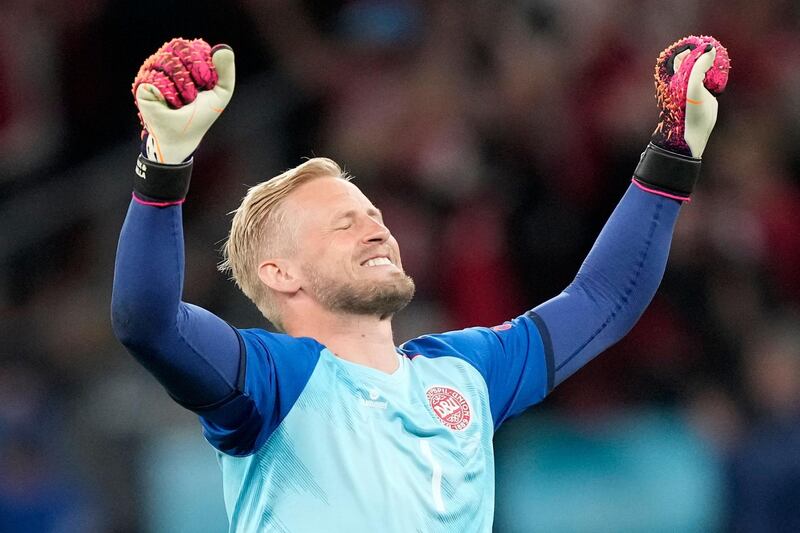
688,75
179,91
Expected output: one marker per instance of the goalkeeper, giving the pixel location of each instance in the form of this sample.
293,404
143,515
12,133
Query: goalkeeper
330,426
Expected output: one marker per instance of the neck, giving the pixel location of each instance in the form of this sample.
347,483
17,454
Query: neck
361,339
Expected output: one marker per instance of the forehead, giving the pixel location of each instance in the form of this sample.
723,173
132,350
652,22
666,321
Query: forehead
324,197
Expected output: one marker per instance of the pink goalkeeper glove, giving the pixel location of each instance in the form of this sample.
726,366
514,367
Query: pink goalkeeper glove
180,91
689,73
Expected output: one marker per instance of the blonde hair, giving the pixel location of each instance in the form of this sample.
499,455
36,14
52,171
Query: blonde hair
259,231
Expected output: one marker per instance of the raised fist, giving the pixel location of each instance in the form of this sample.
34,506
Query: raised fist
180,91
688,75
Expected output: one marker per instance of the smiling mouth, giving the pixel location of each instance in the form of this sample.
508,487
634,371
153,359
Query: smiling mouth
377,261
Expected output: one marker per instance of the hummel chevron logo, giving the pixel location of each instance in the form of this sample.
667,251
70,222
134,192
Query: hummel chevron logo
375,401
141,170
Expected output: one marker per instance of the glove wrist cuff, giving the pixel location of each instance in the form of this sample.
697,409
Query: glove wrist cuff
161,184
667,173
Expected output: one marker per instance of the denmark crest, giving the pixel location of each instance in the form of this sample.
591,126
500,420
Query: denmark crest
450,407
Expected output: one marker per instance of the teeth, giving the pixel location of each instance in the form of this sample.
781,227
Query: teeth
378,261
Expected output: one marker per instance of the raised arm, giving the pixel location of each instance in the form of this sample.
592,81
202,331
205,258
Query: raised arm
195,355
624,268
613,287
523,359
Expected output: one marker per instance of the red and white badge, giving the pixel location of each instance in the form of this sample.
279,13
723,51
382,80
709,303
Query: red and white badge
450,407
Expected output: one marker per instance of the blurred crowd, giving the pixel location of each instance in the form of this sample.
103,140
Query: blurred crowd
496,136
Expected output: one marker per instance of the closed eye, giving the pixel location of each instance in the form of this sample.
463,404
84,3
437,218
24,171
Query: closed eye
376,214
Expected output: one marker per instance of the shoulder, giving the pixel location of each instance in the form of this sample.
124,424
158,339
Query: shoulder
486,348
258,340
464,342
471,345
444,344
285,356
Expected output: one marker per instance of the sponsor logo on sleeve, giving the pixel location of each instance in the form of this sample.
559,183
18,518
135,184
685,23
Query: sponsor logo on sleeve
450,407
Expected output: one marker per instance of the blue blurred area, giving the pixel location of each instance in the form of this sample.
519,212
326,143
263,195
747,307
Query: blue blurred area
641,471
182,484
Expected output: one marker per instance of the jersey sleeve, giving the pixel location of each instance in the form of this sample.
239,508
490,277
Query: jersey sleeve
274,371
514,359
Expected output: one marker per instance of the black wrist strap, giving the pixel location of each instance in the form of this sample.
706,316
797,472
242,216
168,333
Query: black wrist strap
158,182
667,172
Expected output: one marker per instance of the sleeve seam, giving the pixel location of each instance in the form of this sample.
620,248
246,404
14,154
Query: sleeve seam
238,389
547,345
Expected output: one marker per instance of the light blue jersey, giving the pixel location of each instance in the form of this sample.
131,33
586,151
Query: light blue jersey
330,445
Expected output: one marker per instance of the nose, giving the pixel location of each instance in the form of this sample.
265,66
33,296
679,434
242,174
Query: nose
376,232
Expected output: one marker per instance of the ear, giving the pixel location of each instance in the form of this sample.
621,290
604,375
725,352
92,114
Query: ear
279,275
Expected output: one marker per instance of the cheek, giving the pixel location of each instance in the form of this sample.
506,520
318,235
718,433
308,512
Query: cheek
335,259
396,248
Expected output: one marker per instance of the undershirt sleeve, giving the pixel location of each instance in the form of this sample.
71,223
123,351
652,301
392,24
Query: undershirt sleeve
193,353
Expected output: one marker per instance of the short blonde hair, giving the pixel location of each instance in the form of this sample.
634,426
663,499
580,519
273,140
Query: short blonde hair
259,231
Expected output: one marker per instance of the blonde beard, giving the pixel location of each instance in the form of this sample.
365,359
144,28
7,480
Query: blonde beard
381,299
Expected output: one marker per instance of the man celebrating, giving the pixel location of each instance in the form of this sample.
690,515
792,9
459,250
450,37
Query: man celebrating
330,426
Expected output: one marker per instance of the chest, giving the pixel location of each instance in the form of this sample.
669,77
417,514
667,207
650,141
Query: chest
442,400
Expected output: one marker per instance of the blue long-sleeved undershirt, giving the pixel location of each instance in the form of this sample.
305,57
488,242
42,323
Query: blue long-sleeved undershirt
192,352
615,284
196,355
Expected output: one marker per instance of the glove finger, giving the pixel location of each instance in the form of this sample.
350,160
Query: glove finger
701,106
169,61
696,92
223,60
196,58
677,60
147,92
155,86
152,104
163,83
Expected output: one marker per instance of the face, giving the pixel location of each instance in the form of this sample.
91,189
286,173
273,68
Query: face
348,259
